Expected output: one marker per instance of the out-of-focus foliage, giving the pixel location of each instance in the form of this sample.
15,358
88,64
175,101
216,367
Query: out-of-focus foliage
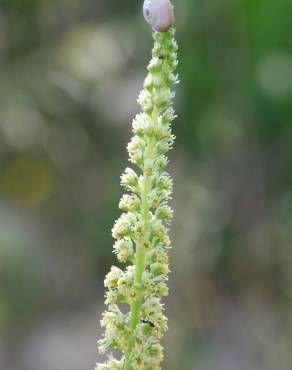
70,73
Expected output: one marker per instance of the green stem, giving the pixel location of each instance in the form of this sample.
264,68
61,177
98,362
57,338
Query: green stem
139,262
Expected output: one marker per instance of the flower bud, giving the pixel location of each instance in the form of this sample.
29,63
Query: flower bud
112,277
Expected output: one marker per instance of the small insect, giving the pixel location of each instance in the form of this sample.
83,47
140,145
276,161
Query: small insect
161,57
159,14
148,322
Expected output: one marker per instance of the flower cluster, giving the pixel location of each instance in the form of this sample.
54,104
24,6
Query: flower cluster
141,232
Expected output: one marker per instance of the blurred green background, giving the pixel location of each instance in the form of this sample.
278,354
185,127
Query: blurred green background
70,73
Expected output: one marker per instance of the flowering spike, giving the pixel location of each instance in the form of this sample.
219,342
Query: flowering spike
141,233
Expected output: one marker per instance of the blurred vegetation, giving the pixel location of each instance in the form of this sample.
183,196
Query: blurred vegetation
70,74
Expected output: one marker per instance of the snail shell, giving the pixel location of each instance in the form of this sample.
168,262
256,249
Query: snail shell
159,14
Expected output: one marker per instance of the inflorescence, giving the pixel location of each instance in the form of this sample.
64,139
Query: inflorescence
141,232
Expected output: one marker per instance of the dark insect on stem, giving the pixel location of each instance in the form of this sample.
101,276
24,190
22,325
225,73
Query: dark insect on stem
161,56
148,322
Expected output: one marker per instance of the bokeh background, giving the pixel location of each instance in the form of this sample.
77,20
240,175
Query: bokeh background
70,73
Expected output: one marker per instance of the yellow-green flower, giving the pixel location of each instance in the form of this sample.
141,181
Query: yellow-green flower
141,232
